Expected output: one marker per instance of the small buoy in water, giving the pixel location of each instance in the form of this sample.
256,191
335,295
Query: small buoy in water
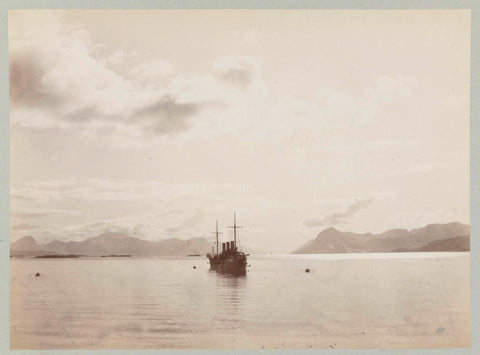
307,270
37,274
194,267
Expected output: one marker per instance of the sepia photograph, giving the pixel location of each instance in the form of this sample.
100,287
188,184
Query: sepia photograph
239,179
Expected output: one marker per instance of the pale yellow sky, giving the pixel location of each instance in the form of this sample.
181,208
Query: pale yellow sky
157,123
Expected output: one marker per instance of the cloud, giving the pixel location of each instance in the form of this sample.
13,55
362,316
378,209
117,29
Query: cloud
151,71
165,115
21,227
238,71
338,217
26,73
63,80
42,213
68,82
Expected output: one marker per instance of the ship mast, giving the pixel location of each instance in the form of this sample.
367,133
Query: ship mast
216,234
235,227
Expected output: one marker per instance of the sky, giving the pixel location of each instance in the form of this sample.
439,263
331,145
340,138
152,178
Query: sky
157,123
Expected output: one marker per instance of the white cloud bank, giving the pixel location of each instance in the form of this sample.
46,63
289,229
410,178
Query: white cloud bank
59,78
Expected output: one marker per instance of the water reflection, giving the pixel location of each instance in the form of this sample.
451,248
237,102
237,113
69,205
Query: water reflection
230,300
159,304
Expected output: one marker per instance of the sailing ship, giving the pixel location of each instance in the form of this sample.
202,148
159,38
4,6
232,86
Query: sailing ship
230,261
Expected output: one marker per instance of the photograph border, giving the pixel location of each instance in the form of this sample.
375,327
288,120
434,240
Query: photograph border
474,6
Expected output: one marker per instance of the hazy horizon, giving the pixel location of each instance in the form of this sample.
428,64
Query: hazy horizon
123,233
157,123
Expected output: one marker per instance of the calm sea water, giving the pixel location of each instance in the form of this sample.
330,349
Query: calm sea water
346,301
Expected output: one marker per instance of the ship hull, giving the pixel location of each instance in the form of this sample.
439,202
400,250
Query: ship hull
231,261
232,264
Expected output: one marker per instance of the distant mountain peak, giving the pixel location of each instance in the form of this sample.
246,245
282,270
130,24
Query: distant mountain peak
330,230
26,238
432,236
25,243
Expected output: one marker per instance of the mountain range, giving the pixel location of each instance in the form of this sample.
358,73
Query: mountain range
453,236
434,237
111,244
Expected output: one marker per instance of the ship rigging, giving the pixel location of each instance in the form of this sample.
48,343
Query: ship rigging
230,260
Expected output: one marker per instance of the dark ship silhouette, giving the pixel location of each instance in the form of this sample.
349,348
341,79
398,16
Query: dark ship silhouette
230,260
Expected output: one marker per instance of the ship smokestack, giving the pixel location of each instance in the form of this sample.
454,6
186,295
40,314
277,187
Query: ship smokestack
223,247
227,245
232,244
